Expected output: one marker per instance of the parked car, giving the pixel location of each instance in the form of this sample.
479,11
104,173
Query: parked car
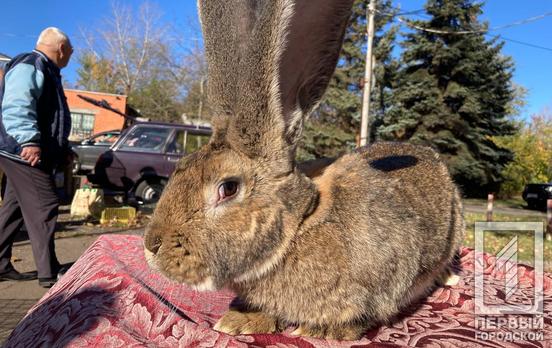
144,156
90,149
536,195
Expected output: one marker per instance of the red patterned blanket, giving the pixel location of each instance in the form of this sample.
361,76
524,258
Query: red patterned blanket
110,298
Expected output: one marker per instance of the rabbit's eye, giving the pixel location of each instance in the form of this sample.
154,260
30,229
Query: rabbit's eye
227,190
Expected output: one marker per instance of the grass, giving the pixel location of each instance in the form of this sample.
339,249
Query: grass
517,203
495,241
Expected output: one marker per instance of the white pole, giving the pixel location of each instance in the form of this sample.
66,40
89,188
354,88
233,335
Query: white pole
490,199
549,219
365,124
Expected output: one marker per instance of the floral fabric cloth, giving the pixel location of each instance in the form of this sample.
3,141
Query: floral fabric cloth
110,298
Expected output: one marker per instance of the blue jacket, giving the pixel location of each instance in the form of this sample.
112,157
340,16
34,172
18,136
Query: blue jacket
33,109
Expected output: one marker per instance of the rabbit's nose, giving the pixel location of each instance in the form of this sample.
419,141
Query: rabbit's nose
152,240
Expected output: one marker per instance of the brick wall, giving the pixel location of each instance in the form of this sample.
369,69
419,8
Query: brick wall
103,119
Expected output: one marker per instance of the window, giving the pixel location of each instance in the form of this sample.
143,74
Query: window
104,139
82,125
195,141
177,144
185,143
146,139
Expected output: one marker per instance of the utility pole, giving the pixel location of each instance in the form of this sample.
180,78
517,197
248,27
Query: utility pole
365,123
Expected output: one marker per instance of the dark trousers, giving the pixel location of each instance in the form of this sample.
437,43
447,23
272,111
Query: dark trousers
29,198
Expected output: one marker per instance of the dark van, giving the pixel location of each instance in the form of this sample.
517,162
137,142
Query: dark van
144,156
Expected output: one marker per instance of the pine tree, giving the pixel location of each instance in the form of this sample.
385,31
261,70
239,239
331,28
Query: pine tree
453,93
334,125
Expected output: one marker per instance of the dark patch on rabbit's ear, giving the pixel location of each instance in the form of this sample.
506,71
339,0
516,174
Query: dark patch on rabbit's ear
313,42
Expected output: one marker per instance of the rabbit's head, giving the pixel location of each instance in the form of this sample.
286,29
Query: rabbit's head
230,210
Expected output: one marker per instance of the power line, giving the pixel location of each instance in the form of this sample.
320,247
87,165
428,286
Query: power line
461,32
523,21
430,30
482,31
398,13
521,42
407,12
438,31
435,31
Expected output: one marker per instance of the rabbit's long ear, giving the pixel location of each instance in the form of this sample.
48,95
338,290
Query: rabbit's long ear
309,57
227,27
269,64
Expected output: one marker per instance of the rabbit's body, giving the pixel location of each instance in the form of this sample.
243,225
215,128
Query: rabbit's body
335,253
378,238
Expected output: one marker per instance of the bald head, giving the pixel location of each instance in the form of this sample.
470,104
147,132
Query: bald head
51,36
56,45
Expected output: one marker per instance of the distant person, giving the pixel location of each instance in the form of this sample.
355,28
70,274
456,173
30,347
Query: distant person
34,126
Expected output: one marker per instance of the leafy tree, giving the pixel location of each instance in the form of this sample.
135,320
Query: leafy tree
453,93
332,129
196,104
532,148
157,100
96,74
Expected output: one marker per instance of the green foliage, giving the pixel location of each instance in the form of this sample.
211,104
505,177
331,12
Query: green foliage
323,140
196,104
454,93
532,148
333,127
96,74
158,99
516,106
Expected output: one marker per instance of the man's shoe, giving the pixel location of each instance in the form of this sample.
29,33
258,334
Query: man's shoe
14,275
61,272
47,282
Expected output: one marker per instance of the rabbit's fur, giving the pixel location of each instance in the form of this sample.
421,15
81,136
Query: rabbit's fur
333,254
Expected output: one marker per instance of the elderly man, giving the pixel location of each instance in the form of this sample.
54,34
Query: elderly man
34,126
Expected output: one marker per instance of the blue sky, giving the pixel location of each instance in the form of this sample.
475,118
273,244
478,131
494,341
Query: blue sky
22,21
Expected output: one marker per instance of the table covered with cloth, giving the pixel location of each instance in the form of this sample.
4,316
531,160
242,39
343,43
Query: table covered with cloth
110,298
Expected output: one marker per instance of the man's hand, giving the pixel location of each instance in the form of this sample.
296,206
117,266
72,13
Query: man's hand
31,154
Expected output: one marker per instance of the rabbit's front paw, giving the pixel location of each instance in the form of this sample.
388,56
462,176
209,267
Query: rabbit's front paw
348,332
236,322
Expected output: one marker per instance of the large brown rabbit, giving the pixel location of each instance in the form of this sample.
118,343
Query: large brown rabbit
333,255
